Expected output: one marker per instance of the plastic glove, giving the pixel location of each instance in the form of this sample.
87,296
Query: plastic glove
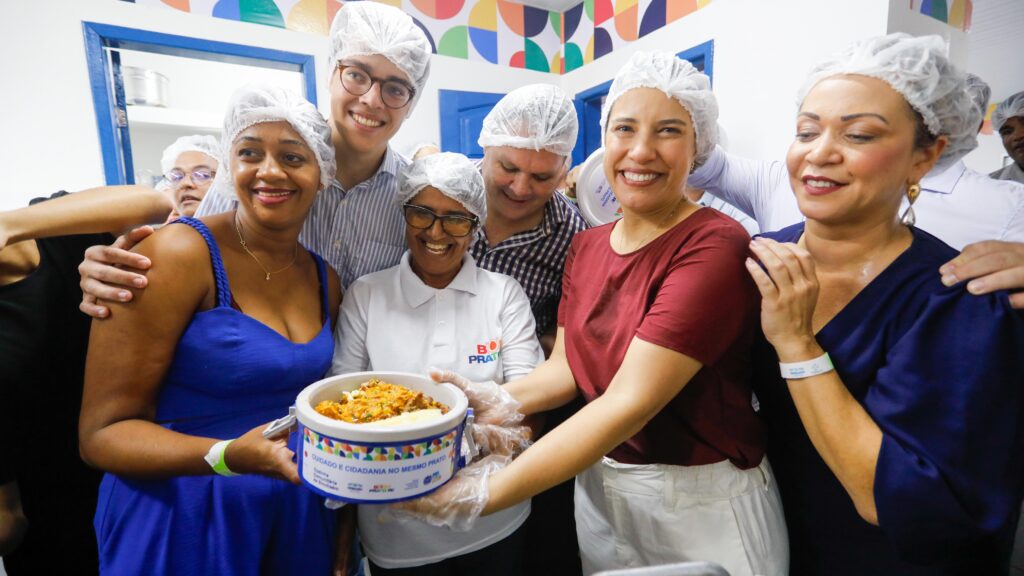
501,440
457,504
491,403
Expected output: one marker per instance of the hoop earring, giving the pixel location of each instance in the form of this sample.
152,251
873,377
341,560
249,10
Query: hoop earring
908,218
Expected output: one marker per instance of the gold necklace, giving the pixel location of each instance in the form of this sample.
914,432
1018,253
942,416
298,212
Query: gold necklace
241,241
657,228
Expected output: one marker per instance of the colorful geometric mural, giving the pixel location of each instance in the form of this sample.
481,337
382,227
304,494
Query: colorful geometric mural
496,31
956,13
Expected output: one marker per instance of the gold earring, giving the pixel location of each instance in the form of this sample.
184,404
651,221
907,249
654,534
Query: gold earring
908,218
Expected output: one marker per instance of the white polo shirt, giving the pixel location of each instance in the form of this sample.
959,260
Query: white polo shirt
481,327
962,206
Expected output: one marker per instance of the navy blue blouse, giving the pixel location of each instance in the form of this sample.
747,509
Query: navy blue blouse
941,372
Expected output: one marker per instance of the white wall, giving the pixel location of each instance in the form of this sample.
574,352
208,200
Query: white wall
447,73
995,45
762,53
52,142
47,103
763,50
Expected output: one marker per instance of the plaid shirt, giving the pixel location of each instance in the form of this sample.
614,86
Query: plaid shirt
535,258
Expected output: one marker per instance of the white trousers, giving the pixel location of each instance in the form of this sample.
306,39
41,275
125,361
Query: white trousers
629,516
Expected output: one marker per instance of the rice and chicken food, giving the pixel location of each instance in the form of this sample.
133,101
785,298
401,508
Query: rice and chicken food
379,403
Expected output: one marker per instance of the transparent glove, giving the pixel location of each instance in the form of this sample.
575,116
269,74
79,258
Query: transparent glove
457,504
501,440
491,403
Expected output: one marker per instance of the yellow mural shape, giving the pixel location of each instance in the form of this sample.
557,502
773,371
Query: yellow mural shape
958,14
588,55
308,16
484,15
623,5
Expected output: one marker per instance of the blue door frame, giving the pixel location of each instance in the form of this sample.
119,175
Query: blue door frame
108,93
588,102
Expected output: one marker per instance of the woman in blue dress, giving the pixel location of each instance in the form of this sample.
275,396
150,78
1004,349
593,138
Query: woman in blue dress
181,383
905,457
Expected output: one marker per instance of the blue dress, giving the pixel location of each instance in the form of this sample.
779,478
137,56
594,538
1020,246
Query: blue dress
941,372
230,373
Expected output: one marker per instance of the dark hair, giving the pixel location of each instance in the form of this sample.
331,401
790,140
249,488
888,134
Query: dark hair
923,138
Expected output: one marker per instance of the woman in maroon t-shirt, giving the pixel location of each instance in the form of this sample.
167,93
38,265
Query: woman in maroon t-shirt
655,326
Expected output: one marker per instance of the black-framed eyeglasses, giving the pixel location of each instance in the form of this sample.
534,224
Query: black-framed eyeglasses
394,93
423,218
198,175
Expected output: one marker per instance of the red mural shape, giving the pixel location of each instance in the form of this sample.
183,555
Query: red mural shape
603,11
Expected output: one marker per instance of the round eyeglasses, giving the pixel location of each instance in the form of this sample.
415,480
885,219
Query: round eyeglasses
394,93
198,176
453,224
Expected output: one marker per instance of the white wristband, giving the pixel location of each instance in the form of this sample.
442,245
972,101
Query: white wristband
807,368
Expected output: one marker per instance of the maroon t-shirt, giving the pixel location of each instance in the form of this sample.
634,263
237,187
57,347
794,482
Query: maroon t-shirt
687,291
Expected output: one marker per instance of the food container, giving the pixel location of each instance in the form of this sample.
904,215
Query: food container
144,87
593,193
376,465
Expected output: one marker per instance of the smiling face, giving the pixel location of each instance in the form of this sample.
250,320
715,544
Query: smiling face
363,122
855,151
275,173
519,184
435,255
188,193
1012,133
649,150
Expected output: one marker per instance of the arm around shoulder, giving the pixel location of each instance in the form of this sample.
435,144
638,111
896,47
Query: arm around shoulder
111,209
129,355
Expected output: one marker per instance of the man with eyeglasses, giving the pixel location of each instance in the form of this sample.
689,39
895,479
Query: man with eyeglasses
380,62
188,165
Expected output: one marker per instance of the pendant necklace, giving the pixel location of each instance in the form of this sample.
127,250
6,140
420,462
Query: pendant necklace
241,241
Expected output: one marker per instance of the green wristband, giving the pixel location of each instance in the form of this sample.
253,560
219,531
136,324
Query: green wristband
215,458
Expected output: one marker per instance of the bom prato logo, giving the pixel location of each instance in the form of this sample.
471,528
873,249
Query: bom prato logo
486,353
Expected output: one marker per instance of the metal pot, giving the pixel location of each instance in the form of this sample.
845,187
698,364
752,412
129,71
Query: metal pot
144,87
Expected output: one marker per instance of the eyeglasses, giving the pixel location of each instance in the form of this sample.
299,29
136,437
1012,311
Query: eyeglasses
453,224
199,176
394,93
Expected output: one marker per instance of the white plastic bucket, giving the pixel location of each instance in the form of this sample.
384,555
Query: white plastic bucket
360,464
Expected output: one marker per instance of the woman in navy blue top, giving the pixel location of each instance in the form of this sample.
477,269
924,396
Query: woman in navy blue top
181,382
904,458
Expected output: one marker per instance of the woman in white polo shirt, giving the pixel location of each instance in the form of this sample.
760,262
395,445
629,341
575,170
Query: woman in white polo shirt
437,309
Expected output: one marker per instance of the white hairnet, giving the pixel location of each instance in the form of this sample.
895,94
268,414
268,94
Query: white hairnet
196,143
979,92
678,79
366,28
919,69
256,104
1009,108
534,117
454,175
